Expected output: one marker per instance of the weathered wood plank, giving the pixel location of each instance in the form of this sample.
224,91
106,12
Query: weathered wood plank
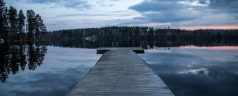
121,73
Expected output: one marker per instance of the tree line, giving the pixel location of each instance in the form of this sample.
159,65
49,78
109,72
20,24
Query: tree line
124,36
15,26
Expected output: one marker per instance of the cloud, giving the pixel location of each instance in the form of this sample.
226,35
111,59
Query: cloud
76,4
229,6
179,12
93,14
169,10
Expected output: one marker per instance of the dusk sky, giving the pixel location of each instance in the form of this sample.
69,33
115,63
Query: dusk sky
69,14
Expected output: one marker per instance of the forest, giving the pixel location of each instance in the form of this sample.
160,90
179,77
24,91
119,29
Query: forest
146,37
15,26
17,30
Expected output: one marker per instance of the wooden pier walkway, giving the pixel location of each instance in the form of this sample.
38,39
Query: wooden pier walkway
121,73
105,49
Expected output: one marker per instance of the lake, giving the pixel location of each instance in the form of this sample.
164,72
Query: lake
197,71
53,71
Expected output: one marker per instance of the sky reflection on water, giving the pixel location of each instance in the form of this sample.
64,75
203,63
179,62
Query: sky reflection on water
187,71
59,72
196,72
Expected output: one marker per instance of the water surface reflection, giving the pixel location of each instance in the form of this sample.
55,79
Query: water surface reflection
38,70
17,57
54,76
196,72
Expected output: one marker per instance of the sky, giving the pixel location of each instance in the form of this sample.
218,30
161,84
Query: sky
186,14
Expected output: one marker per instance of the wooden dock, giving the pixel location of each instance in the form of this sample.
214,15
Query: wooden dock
121,73
105,49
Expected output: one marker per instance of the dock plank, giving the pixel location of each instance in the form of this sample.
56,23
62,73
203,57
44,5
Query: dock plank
121,73
102,50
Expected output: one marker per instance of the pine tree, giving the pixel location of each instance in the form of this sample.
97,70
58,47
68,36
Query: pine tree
12,16
40,27
31,24
21,24
2,25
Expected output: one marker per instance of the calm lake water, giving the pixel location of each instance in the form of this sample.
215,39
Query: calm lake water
60,70
186,71
197,71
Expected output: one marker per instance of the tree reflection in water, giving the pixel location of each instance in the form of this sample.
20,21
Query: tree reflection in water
16,57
